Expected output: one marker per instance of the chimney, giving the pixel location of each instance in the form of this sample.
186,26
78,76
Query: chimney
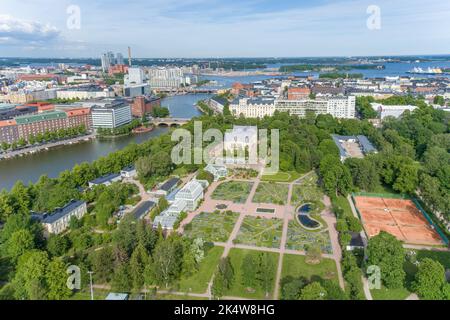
129,56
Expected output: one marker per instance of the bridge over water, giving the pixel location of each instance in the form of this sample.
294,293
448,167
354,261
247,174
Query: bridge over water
170,122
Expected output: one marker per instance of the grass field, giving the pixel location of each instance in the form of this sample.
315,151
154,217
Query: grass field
236,191
161,296
260,232
198,282
282,176
299,238
270,192
295,266
211,227
238,289
308,191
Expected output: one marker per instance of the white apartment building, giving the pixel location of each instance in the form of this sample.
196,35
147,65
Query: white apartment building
391,111
84,94
170,77
338,107
134,76
58,220
110,116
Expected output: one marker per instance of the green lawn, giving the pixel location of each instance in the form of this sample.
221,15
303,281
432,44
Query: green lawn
238,289
295,266
198,282
390,294
343,203
211,227
442,256
161,296
260,232
299,238
236,191
85,294
308,191
271,192
282,176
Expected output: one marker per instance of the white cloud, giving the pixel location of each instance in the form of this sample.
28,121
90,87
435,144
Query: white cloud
18,31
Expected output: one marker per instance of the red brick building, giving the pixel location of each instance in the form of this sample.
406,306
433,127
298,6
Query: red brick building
298,93
143,105
118,69
78,117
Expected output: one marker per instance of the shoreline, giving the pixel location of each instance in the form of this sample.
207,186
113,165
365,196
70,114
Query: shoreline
45,147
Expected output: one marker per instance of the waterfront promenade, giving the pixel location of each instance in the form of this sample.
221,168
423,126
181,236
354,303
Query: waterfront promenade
46,146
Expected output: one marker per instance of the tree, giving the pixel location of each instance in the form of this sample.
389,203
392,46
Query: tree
121,281
291,287
407,179
167,261
439,100
430,280
103,264
223,278
313,291
139,259
56,278
249,269
205,175
265,272
386,252
20,242
57,245
29,280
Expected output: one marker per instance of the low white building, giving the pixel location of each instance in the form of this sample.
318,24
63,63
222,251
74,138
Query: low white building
169,217
58,221
217,171
192,193
391,111
128,172
105,180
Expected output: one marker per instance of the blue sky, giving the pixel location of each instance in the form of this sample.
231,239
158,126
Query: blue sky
217,28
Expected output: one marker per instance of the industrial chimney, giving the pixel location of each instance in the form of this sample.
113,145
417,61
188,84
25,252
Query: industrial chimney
129,56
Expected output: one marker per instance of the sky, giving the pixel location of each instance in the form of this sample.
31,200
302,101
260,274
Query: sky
219,28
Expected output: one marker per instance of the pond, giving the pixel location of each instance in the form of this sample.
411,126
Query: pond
305,220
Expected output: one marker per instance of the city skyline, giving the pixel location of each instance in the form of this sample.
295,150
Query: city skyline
199,28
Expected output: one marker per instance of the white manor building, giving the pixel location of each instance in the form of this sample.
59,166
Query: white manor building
338,107
391,111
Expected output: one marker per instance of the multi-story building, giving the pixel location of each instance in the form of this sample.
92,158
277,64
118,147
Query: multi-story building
58,221
107,60
9,132
85,93
143,105
338,107
41,123
298,93
110,114
134,76
391,111
253,108
78,117
162,78
134,90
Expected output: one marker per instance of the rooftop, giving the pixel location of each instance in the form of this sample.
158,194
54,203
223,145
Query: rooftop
105,178
61,212
143,209
169,184
45,116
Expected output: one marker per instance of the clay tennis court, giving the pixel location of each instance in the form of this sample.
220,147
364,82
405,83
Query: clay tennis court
399,217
